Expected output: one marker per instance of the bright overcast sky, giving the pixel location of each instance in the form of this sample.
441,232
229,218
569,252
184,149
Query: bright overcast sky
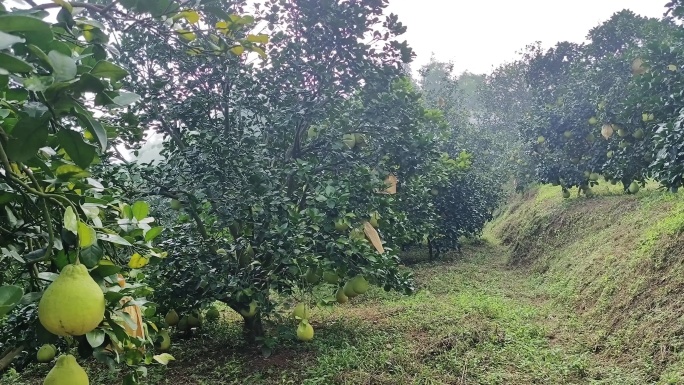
476,35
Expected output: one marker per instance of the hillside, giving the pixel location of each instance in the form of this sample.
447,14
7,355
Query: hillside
616,262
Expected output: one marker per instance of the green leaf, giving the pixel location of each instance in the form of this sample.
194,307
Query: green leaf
86,235
106,270
94,127
13,64
9,298
90,256
40,54
90,83
7,40
140,210
38,83
113,238
69,171
71,220
35,30
105,69
95,337
126,98
64,67
153,233
164,358
78,150
260,38
27,136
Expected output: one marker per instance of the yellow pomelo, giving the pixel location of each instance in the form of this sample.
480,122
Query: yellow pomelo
165,344
359,284
305,331
66,372
46,353
301,311
73,304
340,296
171,318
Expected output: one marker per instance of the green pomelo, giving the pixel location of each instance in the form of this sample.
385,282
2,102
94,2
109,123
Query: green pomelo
359,284
66,372
73,304
165,344
301,311
340,296
46,353
305,331
171,318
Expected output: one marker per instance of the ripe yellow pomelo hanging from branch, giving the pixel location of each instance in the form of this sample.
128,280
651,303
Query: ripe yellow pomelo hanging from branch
66,371
73,304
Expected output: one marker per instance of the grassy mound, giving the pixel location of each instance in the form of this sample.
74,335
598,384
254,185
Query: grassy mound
616,261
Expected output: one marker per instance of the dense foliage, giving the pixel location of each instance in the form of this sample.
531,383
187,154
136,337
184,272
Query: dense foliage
607,109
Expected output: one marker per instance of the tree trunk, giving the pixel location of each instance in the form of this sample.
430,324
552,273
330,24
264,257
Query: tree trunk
429,249
8,357
253,328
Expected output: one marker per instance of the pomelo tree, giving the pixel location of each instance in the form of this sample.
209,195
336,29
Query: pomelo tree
278,162
64,224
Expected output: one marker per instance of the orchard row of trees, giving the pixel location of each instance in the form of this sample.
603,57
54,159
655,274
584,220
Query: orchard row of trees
610,108
284,127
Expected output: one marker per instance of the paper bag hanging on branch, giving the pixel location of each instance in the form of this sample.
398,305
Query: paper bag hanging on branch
373,237
391,183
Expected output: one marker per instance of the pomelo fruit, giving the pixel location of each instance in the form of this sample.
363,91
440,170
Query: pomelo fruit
340,296
634,187
305,331
301,311
73,304
176,204
359,284
330,277
341,226
165,344
349,140
638,134
594,176
593,120
566,194
348,290
312,275
183,324
171,318
66,372
212,314
194,320
46,353
541,139
374,219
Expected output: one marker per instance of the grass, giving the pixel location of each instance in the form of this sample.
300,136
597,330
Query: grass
576,291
